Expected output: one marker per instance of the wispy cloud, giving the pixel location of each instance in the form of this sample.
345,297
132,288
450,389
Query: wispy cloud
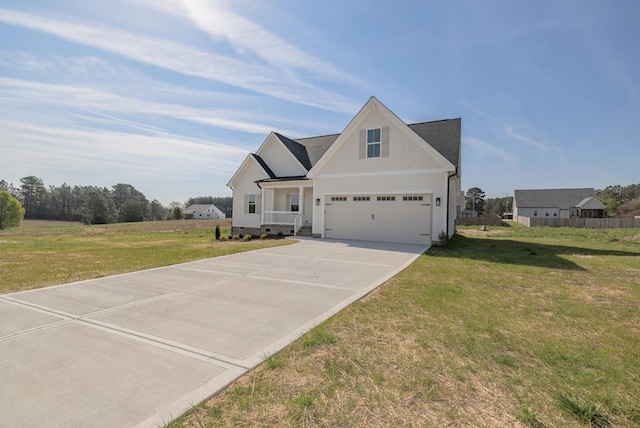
484,148
538,144
26,92
91,149
511,133
220,22
184,59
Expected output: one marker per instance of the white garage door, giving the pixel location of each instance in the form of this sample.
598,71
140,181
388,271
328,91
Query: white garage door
386,218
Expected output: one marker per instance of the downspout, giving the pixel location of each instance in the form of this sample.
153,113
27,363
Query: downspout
449,195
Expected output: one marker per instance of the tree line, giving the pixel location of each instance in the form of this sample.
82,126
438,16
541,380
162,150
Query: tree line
94,204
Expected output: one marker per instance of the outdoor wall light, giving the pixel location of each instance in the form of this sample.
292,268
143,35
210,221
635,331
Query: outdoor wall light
437,202
317,201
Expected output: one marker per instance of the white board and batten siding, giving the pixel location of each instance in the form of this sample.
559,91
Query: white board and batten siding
251,172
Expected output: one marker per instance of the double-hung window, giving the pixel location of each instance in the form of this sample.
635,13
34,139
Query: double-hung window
294,200
373,143
251,203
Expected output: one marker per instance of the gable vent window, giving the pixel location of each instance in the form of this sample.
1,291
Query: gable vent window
386,198
373,143
361,198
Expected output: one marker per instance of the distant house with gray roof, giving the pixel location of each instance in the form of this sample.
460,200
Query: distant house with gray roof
557,203
203,212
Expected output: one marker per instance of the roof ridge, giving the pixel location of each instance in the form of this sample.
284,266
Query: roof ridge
316,136
434,121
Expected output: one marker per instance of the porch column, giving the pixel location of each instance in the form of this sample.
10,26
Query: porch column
301,200
263,204
269,194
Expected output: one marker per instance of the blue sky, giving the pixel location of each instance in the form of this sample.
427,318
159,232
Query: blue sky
170,95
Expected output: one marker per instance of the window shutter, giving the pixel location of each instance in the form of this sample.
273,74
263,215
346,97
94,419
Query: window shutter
246,204
363,143
384,142
258,203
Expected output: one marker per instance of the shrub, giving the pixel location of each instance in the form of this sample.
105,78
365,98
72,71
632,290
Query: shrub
235,237
217,233
11,211
246,237
264,236
443,239
224,238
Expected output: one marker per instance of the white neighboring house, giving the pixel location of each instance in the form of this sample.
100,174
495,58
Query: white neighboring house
202,212
378,180
557,203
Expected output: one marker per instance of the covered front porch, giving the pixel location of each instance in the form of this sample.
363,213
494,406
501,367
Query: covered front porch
287,206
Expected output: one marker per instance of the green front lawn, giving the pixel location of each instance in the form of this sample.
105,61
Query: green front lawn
39,253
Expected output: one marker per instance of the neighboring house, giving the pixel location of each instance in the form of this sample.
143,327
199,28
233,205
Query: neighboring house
557,203
200,212
378,180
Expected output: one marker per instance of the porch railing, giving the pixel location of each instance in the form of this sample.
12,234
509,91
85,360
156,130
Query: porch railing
281,217
293,218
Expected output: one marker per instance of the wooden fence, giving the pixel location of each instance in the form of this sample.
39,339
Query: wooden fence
583,223
489,220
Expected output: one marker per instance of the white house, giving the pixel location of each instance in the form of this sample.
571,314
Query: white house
557,203
378,180
202,212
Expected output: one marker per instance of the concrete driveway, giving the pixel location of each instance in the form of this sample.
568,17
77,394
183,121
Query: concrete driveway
139,349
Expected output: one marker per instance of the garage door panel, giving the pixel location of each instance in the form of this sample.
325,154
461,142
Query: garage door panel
391,219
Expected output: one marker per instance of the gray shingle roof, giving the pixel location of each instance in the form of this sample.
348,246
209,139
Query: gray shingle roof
592,203
317,146
442,135
550,198
264,165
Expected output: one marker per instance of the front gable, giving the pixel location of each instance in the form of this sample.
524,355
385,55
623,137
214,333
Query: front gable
280,159
401,149
591,203
249,171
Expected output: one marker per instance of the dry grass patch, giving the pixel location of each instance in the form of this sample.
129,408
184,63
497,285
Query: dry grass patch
38,256
492,332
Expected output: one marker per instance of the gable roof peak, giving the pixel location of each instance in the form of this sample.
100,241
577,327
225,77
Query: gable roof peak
298,150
